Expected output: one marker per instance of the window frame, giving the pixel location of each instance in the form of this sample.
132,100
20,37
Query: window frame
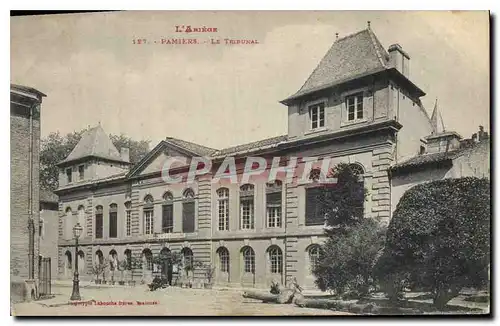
223,260
248,255
320,108
275,255
128,219
357,111
222,212
274,189
247,207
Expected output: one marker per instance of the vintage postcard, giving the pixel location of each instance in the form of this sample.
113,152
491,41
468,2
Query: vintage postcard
250,163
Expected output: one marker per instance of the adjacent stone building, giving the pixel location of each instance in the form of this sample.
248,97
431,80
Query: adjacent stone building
359,106
25,105
443,154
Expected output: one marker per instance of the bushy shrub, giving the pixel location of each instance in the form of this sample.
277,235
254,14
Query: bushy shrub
438,239
347,260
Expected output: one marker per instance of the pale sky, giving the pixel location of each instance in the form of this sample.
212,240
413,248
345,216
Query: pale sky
222,95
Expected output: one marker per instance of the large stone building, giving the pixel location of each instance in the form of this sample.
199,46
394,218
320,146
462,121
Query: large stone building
25,105
359,106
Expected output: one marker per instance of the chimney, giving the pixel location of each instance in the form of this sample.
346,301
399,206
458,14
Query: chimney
399,59
125,154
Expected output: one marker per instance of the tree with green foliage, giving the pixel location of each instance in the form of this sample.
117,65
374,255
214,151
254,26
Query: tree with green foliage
354,242
438,239
55,148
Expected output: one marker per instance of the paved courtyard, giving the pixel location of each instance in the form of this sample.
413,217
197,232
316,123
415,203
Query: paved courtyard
172,301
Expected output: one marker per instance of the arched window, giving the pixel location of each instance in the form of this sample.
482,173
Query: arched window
223,259
99,257
98,222
273,204
167,218
113,221
187,258
81,261
188,211
223,208
247,218
128,218
148,214
69,260
248,260
275,260
128,257
147,259
68,222
314,255
113,260
357,169
81,218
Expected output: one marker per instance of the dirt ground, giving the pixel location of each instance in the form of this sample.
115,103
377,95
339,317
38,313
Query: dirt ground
138,301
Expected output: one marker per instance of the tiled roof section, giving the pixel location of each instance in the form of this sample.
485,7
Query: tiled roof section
349,57
94,142
254,146
439,157
48,196
192,147
426,159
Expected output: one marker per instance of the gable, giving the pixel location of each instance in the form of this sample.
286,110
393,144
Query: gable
158,162
155,160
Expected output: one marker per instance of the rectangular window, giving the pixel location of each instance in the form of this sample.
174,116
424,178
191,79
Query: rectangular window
167,220
354,104
113,224
81,171
69,175
148,221
223,212
128,223
317,115
98,225
273,208
247,210
188,217
314,213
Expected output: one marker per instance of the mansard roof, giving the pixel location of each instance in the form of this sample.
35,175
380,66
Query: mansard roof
94,143
349,57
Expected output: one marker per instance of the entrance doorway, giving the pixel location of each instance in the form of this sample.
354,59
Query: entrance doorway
166,265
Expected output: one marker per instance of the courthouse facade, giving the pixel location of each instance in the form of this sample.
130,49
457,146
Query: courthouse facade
359,106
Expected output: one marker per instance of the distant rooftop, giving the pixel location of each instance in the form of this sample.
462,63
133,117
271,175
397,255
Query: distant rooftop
94,143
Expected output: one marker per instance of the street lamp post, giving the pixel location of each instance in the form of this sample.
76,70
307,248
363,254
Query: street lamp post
77,231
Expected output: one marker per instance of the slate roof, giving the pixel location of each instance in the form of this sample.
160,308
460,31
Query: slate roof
95,143
349,57
192,147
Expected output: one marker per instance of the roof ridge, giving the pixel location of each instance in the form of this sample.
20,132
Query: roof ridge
374,39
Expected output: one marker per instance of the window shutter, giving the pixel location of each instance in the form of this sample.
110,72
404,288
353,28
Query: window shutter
113,225
274,199
188,217
314,215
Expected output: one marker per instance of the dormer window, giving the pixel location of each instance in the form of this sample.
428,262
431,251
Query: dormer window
317,115
69,175
354,105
